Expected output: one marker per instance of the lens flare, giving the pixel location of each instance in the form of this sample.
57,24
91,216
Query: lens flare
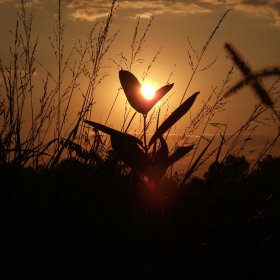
148,91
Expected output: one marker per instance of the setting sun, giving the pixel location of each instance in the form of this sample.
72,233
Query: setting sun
148,91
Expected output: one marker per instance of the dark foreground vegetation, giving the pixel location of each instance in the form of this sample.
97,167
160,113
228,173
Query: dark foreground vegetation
80,223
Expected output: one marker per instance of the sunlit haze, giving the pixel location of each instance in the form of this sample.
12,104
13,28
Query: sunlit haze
148,91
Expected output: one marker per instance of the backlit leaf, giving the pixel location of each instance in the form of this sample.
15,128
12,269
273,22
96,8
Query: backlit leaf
129,152
132,90
112,131
174,117
101,127
159,94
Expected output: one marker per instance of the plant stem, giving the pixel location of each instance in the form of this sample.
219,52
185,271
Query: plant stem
59,69
145,141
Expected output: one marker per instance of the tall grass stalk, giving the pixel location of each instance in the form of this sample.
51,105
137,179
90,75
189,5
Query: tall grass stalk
199,58
60,53
55,102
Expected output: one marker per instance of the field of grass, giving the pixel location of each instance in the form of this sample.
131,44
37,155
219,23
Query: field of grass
77,207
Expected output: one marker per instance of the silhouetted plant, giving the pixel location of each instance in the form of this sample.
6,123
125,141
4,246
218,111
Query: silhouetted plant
133,152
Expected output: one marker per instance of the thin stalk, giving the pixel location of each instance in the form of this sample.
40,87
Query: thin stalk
202,53
155,143
145,140
59,68
130,121
27,29
112,107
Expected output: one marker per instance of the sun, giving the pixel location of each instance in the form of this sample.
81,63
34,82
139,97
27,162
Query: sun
148,91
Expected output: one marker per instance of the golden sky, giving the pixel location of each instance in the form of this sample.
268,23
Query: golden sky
253,27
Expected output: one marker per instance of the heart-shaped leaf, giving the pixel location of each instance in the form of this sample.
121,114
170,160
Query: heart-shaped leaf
174,117
159,94
179,153
132,89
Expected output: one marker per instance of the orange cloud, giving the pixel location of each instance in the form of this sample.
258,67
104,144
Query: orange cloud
90,11
213,2
93,10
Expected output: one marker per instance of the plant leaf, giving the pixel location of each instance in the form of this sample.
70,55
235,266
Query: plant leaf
129,152
102,127
174,117
160,163
159,94
132,89
126,147
179,153
112,131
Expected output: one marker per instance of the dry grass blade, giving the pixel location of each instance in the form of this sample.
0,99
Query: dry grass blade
238,60
174,117
248,76
191,170
268,72
235,88
194,69
220,147
259,89
216,163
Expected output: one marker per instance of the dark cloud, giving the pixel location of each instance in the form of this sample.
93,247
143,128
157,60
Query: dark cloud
276,7
259,7
256,2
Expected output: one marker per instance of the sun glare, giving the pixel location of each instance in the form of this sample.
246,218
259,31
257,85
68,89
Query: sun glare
148,91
